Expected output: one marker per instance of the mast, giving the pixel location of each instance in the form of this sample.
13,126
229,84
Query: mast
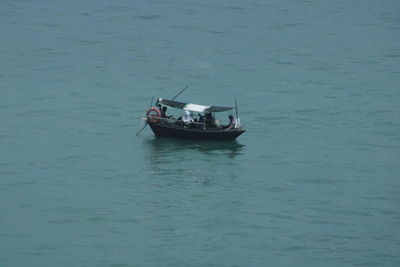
237,114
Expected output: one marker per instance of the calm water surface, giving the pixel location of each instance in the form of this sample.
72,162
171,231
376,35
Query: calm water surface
313,182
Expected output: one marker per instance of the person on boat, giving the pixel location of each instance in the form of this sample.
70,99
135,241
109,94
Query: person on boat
164,113
187,119
232,123
201,118
209,120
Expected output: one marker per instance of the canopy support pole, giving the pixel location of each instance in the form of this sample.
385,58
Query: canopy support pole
237,114
236,108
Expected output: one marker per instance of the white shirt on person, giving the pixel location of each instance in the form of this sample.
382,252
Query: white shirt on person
187,118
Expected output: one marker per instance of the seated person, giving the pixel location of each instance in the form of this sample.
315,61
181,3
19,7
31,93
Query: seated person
201,118
209,120
232,123
164,113
187,119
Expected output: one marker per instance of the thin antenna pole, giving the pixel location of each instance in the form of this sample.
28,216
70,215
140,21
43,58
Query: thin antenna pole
151,103
180,92
237,114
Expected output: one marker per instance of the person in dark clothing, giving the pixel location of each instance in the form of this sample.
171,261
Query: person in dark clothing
232,123
201,118
209,120
164,113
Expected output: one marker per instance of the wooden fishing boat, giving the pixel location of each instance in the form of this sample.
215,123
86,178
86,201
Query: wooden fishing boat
205,127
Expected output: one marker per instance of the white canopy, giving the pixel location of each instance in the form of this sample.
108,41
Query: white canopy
192,107
195,107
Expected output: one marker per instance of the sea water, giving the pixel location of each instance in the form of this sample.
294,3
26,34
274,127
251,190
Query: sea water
314,181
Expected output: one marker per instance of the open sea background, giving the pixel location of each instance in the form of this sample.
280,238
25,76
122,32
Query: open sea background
313,182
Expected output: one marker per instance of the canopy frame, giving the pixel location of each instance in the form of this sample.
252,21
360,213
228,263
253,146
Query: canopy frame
192,107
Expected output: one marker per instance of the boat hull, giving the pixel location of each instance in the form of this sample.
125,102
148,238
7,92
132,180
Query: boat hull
161,129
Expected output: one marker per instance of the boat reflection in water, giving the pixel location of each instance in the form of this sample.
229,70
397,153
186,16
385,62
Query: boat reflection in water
165,147
177,157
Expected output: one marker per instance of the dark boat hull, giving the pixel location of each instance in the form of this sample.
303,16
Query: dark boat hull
161,129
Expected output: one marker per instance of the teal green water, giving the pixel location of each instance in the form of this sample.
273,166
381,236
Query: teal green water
313,182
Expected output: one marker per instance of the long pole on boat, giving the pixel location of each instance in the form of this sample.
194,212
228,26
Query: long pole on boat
236,108
180,92
237,113
151,104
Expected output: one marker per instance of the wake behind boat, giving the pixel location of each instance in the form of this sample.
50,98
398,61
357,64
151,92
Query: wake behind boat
202,126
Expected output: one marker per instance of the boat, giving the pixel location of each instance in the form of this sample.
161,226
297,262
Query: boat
205,127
